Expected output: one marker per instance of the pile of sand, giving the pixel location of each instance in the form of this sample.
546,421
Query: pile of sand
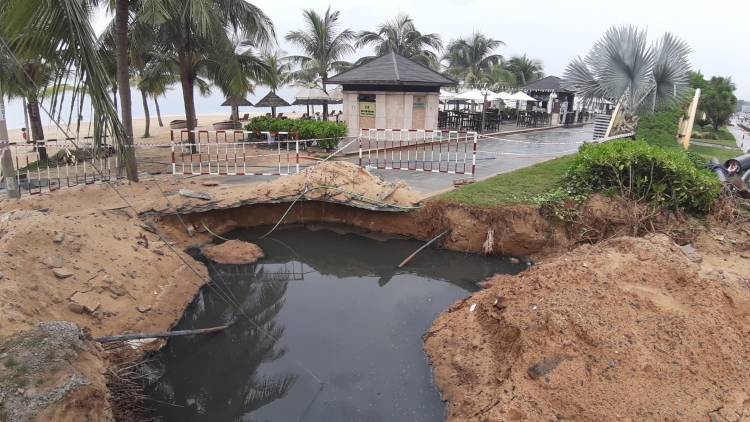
339,175
233,252
627,330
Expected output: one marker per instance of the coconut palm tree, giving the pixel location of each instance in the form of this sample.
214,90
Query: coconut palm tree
524,69
279,72
61,32
498,78
195,31
469,58
401,36
621,68
324,47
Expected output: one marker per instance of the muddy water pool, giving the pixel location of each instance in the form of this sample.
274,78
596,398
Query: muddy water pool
324,307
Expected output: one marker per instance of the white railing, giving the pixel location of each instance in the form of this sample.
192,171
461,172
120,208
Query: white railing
433,151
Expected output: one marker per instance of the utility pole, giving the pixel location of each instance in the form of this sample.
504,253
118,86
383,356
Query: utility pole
6,160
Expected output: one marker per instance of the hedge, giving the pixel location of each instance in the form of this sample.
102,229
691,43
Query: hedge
332,132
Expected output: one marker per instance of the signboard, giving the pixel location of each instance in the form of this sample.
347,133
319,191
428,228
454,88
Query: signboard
418,102
367,109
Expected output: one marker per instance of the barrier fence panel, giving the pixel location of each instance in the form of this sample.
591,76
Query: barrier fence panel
66,162
235,153
435,151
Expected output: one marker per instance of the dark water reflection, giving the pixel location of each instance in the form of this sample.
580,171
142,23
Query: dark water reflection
340,312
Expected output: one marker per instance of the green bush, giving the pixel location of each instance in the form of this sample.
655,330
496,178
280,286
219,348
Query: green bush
332,132
668,177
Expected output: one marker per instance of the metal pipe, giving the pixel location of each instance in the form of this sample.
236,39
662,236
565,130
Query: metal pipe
720,170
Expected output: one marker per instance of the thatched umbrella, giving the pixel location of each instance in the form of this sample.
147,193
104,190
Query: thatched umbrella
236,107
272,100
311,97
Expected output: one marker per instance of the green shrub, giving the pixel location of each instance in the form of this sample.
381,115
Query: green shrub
332,132
668,177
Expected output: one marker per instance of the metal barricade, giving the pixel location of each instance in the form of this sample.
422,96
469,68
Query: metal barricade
235,153
436,151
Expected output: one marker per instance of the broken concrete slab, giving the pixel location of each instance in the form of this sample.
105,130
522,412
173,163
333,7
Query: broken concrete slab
195,194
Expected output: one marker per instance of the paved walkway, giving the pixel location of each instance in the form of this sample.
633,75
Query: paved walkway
495,155
744,144
500,155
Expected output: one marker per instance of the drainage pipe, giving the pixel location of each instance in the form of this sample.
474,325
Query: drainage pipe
716,167
425,245
738,164
138,336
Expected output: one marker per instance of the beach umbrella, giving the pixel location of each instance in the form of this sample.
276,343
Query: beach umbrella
236,106
272,100
521,96
336,95
311,97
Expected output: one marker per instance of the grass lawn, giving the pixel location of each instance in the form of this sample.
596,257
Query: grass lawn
515,187
722,154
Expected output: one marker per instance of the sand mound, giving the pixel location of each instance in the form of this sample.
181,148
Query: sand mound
628,330
338,175
233,252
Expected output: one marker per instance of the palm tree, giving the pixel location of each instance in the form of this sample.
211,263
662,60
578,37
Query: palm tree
399,35
156,81
524,69
122,15
469,58
622,69
323,46
27,78
498,78
61,32
279,72
202,30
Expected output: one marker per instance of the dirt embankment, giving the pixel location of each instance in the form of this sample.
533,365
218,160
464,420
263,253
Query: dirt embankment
629,330
82,255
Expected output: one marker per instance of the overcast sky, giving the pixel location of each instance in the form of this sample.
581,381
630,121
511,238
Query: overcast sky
718,32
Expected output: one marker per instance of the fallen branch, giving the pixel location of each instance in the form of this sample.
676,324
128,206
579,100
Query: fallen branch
138,336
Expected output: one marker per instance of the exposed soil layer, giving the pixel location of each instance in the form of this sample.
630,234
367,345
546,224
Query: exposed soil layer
82,255
233,252
630,329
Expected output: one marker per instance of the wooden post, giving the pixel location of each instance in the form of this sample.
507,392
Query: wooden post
6,159
691,120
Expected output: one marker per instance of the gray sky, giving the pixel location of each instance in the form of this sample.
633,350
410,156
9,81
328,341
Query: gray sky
556,31
553,31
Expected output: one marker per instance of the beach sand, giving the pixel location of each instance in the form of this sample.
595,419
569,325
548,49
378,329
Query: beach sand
158,134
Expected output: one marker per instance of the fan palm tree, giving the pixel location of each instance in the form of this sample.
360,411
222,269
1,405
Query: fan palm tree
469,58
61,32
622,69
401,36
524,69
198,30
324,47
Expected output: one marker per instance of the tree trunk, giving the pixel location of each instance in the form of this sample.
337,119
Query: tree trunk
114,95
123,80
323,78
147,114
37,129
158,113
187,81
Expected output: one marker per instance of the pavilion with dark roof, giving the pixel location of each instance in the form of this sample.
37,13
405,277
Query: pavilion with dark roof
390,92
542,90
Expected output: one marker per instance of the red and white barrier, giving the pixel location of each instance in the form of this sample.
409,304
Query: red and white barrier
434,151
235,153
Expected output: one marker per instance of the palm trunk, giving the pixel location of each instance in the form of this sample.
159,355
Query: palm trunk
114,96
323,78
147,114
158,112
187,81
123,80
37,129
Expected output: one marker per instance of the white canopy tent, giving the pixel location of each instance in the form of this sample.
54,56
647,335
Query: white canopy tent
521,96
500,96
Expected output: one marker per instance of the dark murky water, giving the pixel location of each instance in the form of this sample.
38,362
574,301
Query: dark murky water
340,311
